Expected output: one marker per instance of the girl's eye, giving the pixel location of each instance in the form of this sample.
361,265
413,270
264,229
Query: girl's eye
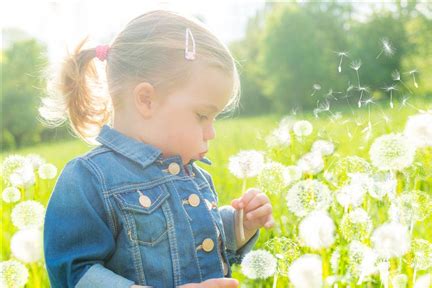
202,117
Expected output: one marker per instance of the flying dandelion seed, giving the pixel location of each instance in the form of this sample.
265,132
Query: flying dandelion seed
386,48
391,89
341,55
315,87
356,66
362,90
397,77
412,73
321,107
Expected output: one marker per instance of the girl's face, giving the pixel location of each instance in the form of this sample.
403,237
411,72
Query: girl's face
183,124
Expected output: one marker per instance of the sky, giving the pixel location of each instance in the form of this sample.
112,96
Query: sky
63,23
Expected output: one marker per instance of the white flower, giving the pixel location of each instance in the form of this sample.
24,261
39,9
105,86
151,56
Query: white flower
392,152
47,171
410,207
391,240
279,137
302,128
346,166
258,264
363,260
316,230
306,271
13,274
324,147
35,160
311,163
424,281
356,225
307,196
28,214
350,195
292,173
18,171
422,251
11,194
418,129
272,178
381,184
246,164
27,245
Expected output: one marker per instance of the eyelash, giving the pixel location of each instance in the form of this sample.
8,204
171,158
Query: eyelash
202,117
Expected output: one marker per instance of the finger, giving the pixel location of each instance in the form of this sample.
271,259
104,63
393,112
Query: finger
220,282
248,196
235,203
259,200
269,224
260,212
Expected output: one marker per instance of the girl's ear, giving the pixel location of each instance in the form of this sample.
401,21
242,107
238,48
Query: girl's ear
144,96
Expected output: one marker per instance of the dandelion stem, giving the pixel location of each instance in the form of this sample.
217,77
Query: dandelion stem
275,280
242,235
379,54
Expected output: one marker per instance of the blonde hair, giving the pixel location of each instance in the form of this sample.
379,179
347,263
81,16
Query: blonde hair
150,48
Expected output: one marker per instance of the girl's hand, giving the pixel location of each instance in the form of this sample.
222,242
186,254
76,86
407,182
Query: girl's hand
257,209
213,283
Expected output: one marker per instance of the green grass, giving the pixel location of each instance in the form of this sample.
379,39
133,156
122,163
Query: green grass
233,135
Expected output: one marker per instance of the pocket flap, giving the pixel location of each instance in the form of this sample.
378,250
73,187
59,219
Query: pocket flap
131,200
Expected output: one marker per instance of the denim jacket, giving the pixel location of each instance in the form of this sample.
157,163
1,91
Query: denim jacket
121,214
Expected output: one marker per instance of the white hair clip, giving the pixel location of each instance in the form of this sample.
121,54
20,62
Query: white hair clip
189,55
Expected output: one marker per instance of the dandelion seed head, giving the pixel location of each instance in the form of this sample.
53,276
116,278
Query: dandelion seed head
323,147
11,194
381,184
350,195
356,225
17,170
410,207
258,264
424,281
279,137
286,251
47,171
392,152
28,214
13,274
422,251
307,196
418,129
317,230
400,281
391,240
246,164
272,178
27,245
347,166
292,173
302,128
306,271
311,163
36,160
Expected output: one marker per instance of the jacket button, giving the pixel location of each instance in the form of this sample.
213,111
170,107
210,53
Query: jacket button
208,245
194,200
174,168
225,267
145,201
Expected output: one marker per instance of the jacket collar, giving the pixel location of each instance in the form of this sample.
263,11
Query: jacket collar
141,152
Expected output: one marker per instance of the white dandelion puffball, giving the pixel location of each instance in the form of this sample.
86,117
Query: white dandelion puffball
363,260
311,163
356,225
343,168
307,196
11,194
23,177
422,251
246,164
317,230
13,274
392,152
35,160
292,174
18,171
418,129
323,147
302,128
272,178
28,214
424,281
350,195
47,171
279,137
258,264
27,245
381,184
410,207
391,240
306,271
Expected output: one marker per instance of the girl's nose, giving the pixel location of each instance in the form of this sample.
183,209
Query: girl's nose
209,133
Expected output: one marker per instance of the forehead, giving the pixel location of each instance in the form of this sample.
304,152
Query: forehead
208,88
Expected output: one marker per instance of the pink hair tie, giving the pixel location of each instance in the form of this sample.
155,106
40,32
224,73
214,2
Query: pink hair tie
102,52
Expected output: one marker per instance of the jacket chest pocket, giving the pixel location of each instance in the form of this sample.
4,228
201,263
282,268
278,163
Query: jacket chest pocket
145,216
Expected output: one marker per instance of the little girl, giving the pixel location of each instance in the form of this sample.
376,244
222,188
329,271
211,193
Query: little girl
136,211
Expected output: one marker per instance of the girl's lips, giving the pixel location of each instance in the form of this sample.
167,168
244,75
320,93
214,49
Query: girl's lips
201,155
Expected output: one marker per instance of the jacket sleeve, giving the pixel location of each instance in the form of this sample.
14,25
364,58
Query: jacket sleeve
234,253
77,238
